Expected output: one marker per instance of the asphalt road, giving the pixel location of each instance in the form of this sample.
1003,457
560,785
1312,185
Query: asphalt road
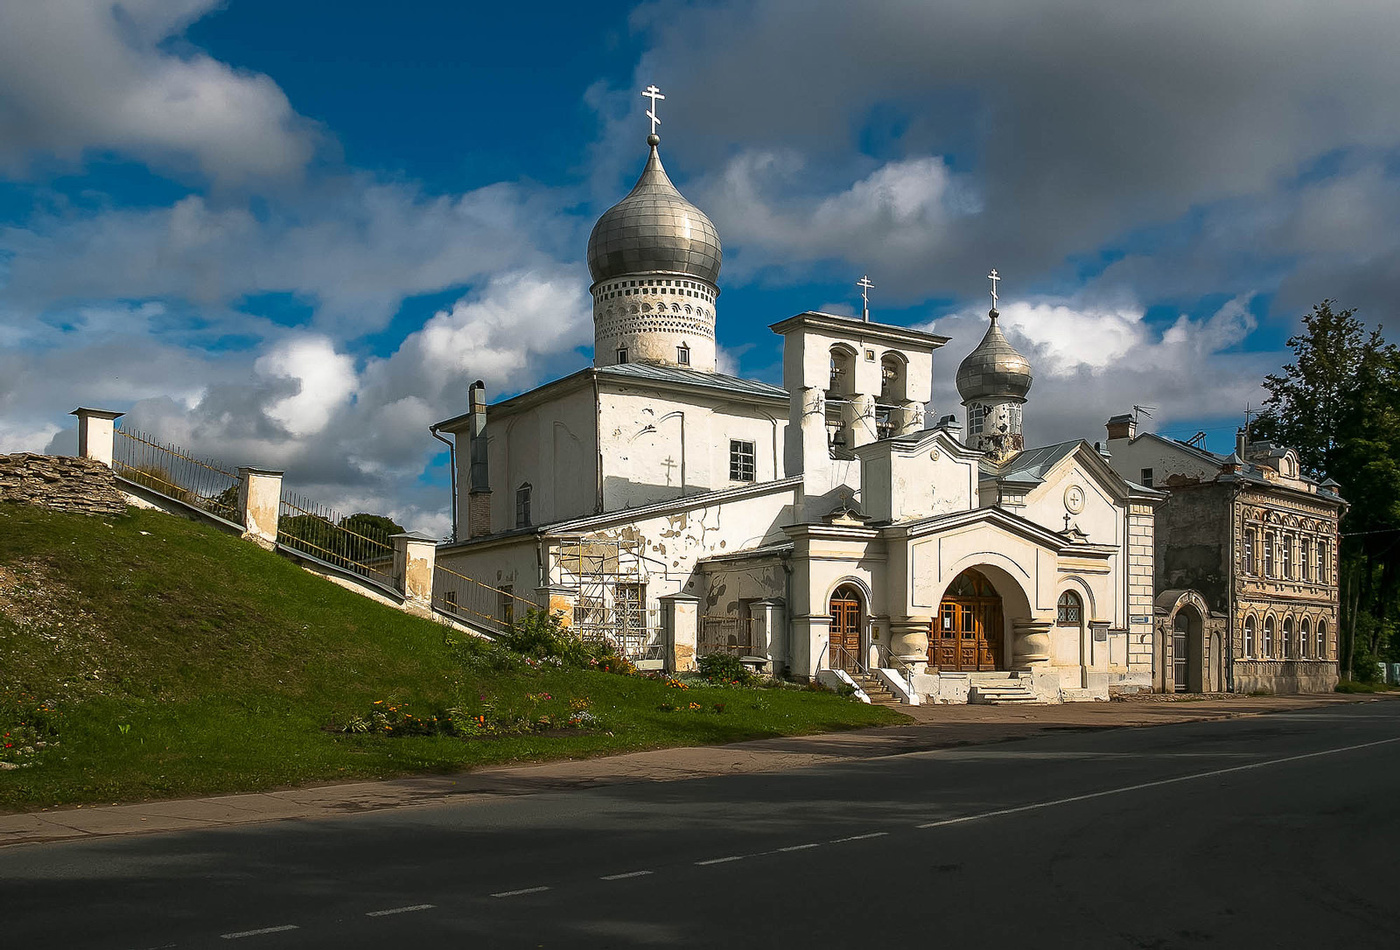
1274,831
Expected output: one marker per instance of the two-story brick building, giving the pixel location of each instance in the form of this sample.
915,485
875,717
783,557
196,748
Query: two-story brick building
1258,540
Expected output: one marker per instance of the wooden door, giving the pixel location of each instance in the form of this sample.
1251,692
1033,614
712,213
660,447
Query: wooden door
845,628
967,633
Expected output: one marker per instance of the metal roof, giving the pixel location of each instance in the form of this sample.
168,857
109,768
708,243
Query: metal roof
692,377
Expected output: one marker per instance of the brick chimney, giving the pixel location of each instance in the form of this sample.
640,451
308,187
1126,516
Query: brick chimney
1122,427
479,477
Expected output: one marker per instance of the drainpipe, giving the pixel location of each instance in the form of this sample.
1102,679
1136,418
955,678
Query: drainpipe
452,471
597,446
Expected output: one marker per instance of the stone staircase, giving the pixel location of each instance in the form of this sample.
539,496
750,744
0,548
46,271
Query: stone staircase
1000,689
872,687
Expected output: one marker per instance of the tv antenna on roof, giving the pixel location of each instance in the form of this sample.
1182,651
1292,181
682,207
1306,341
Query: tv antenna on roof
1142,411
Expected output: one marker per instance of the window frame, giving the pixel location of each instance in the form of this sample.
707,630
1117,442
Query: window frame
1069,609
524,496
1250,644
743,457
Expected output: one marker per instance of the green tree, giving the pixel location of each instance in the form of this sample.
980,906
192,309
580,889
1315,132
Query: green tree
1338,404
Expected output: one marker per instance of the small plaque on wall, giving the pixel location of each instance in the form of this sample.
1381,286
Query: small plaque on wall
1100,634
1140,618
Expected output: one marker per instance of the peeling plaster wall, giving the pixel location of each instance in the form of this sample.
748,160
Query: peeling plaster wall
657,445
730,585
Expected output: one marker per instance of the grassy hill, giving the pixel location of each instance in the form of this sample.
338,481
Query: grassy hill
147,656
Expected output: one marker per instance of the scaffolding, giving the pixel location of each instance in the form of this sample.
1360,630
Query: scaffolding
613,604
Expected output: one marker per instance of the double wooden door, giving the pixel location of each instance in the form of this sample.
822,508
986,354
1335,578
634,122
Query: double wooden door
967,633
845,628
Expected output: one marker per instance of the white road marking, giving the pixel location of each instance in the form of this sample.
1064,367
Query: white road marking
623,877
873,834
733,857
1035,806
259,933
800,847
523,890
400,910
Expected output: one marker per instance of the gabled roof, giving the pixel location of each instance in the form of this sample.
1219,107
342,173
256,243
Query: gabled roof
1031,465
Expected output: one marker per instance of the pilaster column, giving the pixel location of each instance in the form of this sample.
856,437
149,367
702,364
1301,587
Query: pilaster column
560,601
95,433
680,615
415,555
259,504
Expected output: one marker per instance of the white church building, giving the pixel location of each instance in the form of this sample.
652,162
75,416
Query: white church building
824,530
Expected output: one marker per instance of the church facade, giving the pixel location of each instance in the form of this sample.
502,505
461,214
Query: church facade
824,529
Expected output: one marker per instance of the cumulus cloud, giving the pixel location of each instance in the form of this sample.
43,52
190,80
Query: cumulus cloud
77,75
325,380
1090,363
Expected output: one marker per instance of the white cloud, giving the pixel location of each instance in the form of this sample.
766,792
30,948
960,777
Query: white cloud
325,381
79,75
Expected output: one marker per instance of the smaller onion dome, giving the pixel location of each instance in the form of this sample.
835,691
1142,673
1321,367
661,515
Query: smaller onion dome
994,369
654,229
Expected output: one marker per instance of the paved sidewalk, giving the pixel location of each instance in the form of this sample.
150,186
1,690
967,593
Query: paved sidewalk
931,727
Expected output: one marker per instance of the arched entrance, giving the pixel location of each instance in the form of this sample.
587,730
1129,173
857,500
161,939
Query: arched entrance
846,617
967,633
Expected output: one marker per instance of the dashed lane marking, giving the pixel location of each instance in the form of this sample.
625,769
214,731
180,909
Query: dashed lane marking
1195,776
523,890
732,857
800,847
873,834
400,910
259,932
623,877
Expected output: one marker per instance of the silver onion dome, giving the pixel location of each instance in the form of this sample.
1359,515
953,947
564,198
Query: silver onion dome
994,369
654,229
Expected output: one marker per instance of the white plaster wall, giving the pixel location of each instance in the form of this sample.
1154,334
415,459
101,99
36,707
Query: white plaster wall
1130,457
1102,517
552,446
906,484
655,445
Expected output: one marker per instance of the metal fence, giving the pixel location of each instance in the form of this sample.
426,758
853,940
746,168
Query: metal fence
175,473
353,543
482,605
725,634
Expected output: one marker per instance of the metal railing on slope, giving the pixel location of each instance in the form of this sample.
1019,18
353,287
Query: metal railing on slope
174,472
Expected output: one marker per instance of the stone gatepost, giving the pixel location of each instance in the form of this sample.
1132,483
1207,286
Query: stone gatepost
680,616
96,429
559,601
768,632
415,554
260,504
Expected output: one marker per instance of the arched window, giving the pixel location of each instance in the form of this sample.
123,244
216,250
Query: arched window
1249,644
1322,639
1070,610
1268,638
891,379
1305,638
1287,638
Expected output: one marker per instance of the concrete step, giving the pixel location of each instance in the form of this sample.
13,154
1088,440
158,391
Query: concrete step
989,694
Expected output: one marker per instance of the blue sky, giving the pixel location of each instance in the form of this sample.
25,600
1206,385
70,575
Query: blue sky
291,239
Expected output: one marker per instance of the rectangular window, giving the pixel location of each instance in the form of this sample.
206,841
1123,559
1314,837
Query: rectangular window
1305,558
1251,538
741,461
1147,478
1323,577
622,355
683,355
522,506
1268,554
629,607
1249,636
1288,557
976,417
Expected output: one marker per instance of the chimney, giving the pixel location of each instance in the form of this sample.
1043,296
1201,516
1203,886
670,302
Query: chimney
479,478
1241,442
1123,427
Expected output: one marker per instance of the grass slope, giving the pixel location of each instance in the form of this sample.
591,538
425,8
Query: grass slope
180,661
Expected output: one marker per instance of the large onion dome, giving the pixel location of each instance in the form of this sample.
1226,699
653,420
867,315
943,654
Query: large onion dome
654,229
994,369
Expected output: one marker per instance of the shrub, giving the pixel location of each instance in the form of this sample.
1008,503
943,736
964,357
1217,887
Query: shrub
542,636
724,668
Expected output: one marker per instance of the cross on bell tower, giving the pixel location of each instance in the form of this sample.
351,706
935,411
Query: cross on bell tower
865,286
652,93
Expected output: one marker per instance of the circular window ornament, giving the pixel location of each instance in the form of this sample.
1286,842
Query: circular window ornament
1074,499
